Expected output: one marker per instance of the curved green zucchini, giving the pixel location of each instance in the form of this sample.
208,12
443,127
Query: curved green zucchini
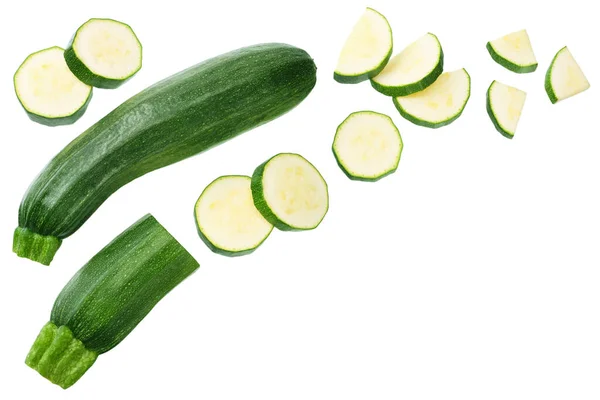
174,119
107,298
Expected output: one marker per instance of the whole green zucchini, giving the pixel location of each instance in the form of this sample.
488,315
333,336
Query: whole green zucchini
176,118
107,298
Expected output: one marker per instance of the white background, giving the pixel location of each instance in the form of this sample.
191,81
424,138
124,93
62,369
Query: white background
470,273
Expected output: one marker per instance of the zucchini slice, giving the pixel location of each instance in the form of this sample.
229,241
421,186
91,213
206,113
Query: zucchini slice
367,50
504,106
104,53
227,220
48,91
290,192
367,146
413,70
564,78
440,104
514,52
107,298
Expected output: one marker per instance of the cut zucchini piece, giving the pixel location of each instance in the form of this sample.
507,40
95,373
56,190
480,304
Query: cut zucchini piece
48,91
104,53
367,146
367,50
564,78
227,220
504,106
514,52
290,192
439,104
413,70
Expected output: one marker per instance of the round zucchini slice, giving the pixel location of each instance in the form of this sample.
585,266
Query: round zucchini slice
564,78
48,91
367,146
514,52
367,50
104,53
413,70
440,104
504,106
226,218
290,192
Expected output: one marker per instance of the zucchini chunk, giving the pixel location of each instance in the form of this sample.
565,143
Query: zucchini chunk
50,94
440,104
367,146
504,106
107,298
290,192
564,78
514,52
413,70
367,50
226,218
104,53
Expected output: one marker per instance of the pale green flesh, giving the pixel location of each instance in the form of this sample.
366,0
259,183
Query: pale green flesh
515,48
46,87
108,48
440,103
506,105
367,48
295,191
368,145
413,64
566,79
226,215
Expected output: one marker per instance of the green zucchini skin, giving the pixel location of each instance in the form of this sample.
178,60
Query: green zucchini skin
519,69
174,119
107,298
548,80
68,120
432,125
353,79
488,107
414,87
84,74
256,185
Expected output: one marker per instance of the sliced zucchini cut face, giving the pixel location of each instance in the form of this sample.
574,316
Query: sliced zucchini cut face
104,53
47,89
514,52
367,49
290,192
367,146
440,104
504,106
413,70
565,78
227,220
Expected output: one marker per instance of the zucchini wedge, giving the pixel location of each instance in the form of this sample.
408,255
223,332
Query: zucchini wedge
440,104
161,125
414,69
107,298
290,192
504,106
367,50
367,146
514,52
564,78
50,94
104,53
226,218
